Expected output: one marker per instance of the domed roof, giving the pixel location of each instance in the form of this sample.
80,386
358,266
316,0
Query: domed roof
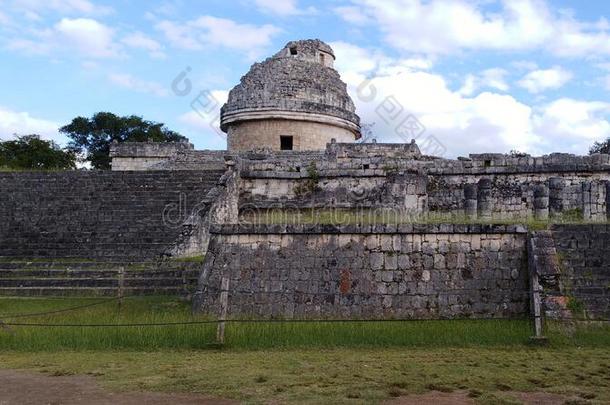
298,79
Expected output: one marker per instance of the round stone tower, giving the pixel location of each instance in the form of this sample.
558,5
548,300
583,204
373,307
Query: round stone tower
294,100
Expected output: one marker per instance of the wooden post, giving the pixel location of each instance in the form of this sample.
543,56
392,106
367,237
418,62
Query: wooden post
535,289
224,307
121,281
536,306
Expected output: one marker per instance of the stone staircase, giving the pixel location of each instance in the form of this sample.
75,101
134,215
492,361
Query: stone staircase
99,215
74,278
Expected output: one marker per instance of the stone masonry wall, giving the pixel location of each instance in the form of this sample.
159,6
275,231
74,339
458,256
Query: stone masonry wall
484,186
513,195
584,261
144,155
306,135
97,214
405,271
218,206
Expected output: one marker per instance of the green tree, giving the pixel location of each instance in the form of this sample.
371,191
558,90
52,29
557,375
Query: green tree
93,136
600,147
32,153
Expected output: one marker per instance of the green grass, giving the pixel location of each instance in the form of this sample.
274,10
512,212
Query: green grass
255,335
310,362
338,375
192,259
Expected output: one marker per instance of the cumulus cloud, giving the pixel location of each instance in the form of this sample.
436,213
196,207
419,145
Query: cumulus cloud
464,123
282,8
140,40
493,78
85,36
354,15
207,31
540,80
128,81
356,60
62,6
445,27
575,124
88,36
22,123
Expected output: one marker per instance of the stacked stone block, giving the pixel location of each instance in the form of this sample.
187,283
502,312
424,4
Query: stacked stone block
97,214
584,253
409,271
57,278
541,202
593,200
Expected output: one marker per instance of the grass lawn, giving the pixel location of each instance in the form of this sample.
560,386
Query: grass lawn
337,375
303,362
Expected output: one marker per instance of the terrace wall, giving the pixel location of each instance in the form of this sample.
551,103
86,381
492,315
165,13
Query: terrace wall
405,271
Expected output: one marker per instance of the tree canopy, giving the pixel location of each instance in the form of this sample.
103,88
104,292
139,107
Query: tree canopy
600,147
93,136
29,152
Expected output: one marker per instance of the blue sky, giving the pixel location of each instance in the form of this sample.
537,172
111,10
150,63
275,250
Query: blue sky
479,76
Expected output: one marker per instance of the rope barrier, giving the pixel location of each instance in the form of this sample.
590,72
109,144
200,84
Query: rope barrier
249,321
271,321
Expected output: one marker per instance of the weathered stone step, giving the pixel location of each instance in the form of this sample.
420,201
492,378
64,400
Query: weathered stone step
59,282
26,278
127,266
69,273
158,282
87,291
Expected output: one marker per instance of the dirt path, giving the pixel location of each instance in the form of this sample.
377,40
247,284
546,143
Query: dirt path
24,388
462,398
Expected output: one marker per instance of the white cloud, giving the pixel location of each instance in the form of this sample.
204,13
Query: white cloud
485,122
540,80
353,15
282,8
140,40
524,65
353,59
445,27
88,36
128,81
493,78
84,36
80,7
203,124
573,123
208,31
22,123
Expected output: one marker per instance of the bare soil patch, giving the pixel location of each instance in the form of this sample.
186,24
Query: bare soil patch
23,388
463,398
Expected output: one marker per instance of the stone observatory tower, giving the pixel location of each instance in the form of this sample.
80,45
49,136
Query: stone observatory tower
294,100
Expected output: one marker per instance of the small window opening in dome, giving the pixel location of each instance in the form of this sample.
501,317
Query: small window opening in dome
285,142
293,50
322,58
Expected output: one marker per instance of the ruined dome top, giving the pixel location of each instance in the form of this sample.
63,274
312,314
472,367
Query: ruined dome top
298,82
